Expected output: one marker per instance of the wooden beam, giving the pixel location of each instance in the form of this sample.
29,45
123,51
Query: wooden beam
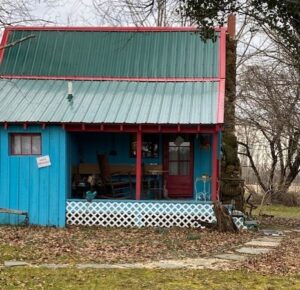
139,143
146,128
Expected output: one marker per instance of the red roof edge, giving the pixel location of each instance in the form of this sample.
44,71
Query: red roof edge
105,28
221,102
125,79
3,43
222,75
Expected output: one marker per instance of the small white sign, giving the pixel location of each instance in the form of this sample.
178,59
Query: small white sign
43,161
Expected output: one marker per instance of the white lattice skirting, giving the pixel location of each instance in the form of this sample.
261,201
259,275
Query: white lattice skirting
138,213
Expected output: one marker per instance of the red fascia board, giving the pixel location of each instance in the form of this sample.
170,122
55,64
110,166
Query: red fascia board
100,78
222,54
221,102
106,28
222,76
3,43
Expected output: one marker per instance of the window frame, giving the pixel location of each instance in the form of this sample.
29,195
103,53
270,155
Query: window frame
21,135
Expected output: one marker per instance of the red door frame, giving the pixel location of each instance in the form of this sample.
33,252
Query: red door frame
166,139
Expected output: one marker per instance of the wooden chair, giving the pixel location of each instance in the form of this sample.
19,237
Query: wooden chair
114,187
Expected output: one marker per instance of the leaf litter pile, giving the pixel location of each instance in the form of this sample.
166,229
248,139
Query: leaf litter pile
111,245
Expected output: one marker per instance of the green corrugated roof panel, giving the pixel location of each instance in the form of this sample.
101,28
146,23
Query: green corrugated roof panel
109,102
111,54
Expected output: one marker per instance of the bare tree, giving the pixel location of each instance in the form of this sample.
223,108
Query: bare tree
16,12
140,12
269,108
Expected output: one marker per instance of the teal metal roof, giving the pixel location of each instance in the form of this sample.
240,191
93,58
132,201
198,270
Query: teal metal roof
109,102
147,54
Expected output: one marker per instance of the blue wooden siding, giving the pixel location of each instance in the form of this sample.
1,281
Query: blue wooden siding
41,192
86,146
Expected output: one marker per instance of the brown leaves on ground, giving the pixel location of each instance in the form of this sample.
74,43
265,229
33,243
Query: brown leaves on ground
283,260
111,245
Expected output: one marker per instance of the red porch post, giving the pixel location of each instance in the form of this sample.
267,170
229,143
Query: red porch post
138,165
214,181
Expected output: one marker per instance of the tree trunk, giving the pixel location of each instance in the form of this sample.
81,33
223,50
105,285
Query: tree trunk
225,222
231,184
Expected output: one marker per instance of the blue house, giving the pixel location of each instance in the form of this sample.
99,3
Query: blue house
110,126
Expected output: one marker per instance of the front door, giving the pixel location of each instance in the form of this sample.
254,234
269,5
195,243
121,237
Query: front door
178,164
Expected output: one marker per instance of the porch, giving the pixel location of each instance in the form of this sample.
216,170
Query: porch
164,166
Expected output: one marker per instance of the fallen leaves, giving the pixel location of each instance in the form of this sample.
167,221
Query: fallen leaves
111,245
285,259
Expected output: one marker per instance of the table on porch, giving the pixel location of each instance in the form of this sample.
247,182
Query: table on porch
154,182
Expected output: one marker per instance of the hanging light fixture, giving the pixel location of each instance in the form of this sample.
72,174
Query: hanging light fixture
179,140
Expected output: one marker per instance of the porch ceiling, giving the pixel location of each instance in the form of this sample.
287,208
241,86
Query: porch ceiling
112,102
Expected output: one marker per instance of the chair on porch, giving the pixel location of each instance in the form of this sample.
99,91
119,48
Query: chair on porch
116,184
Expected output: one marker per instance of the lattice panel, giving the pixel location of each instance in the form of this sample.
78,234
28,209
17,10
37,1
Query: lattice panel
139,214
240,223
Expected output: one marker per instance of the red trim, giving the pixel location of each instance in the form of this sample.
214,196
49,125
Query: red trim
3,43
138,185
13,135
221,101
131,128
100,78
146,128
222,54
107,28
214,167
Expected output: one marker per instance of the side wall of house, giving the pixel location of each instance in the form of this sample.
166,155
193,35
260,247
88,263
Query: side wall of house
24,186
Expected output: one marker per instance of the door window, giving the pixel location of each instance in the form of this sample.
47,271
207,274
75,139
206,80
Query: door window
179,158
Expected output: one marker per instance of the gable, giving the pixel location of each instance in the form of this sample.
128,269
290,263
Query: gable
115,54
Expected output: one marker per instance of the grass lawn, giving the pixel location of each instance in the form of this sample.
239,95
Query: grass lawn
281,211
142,279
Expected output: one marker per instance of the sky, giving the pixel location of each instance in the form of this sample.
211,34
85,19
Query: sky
65,12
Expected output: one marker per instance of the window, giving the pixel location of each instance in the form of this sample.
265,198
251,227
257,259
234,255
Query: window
150,147
25,144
